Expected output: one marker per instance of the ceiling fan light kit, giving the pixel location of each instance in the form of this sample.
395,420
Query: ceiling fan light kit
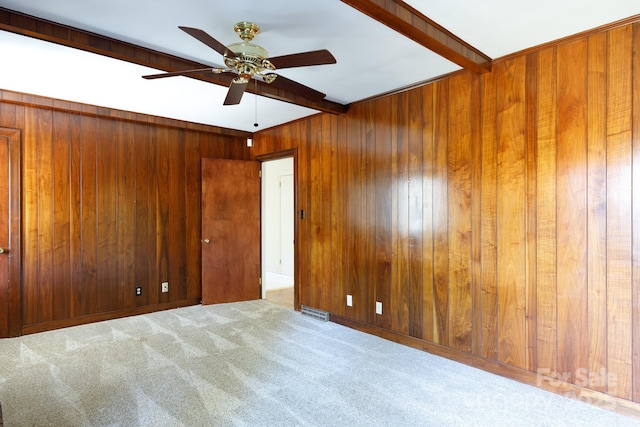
249,60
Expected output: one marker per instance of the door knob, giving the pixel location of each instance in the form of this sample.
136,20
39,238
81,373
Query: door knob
206,241
3,250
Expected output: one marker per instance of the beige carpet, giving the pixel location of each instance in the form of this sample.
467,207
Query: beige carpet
256,364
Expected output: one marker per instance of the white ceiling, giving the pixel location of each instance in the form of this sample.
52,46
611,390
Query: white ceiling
371,58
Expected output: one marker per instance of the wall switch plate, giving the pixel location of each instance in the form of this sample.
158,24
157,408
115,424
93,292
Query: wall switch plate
138,290
349,301
378,307
165,286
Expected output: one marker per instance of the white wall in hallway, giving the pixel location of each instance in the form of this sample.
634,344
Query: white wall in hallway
271,252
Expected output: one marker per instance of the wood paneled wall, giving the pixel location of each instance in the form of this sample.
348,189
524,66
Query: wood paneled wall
109,203
495,216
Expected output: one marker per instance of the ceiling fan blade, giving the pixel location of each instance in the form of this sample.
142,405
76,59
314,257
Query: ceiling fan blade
296,88
178,73
208,40
304,59
234,95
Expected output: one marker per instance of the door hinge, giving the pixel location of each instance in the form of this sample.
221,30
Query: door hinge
260,281
260,174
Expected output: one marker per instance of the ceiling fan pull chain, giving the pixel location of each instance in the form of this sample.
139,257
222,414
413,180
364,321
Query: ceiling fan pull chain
255,124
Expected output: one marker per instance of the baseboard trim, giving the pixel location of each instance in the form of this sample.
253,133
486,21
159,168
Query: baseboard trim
596,398
83,320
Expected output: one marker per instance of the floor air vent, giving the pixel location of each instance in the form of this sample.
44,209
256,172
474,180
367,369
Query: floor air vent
314,312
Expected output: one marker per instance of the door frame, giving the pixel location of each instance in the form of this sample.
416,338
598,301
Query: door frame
14,314
292,153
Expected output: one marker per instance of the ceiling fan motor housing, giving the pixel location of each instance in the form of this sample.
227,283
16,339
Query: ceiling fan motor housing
250,59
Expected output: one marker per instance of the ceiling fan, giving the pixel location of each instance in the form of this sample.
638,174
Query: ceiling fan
248,60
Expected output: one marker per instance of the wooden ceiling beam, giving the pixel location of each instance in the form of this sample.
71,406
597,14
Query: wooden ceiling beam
409,22
31,26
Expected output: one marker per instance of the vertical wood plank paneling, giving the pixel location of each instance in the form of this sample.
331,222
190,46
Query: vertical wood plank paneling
383,178
144,252
394,314
459,198
155,227
192,215
316,218
162,209
126,185
61,216
428,309
571,196
597,208
546,213
86,299
400,283
338,252
476,216
338,226
530,210
365,217
367,212
441,215
619,222
303,230
636,210
75,212
415,212
510,212
44,236
107,205
488,231
90,211
176,230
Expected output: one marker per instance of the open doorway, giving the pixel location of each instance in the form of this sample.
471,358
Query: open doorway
278,216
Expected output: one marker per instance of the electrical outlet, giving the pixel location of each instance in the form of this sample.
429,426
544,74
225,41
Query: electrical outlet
349,301
378,307
165,286
138,290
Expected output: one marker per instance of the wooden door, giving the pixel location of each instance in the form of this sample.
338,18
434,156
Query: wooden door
230,231
9,233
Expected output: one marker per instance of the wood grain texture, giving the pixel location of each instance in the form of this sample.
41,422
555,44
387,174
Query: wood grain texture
571,194
400,285
441,215
510,110
635,125
10,226
230,230
596,209
619,214
45,209
95,190
546,248
415,215
61,216
636,210
459,198
531,134
428,308
383,249
488,227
